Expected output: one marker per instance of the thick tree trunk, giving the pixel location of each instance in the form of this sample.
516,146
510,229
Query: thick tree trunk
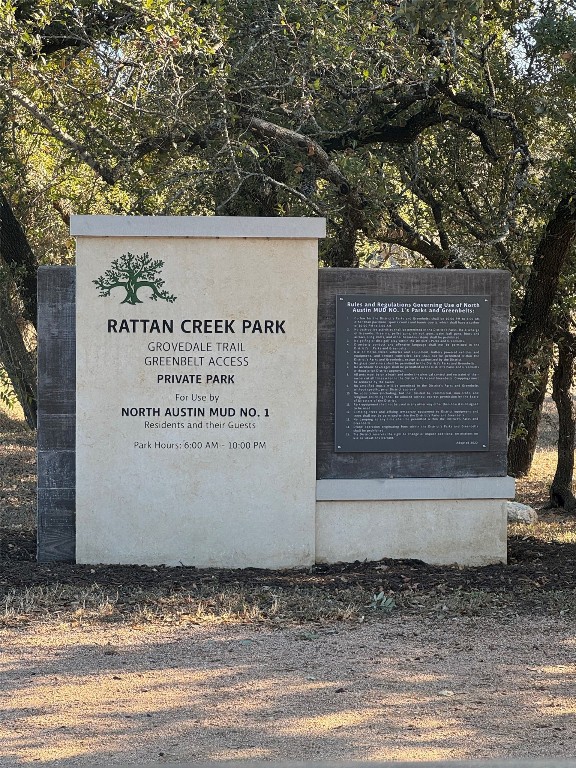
522,444
16,253
552,253
561,494
18,271
14,357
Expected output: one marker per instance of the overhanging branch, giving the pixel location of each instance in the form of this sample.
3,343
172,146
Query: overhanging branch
315,152
103,170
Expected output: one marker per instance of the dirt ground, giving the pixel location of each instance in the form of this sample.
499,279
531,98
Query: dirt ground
394,660
406,689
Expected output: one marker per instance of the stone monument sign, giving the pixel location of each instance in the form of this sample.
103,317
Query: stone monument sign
195,387
208,397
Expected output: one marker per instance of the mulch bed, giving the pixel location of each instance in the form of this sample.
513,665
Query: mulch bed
532,565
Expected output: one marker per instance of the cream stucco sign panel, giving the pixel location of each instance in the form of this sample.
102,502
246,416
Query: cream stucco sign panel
196,391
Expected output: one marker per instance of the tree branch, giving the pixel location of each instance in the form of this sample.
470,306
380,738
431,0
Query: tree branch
423,192
314,151
483,108
552,253
104,171
76,31
387,132
406,236
342,253
110,174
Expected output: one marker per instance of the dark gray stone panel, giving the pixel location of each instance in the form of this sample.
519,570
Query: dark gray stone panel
56,469
57,525
56,413
56,432
333,282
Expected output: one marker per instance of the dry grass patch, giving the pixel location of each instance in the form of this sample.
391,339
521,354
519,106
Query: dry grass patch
297,605
218,604
17,470
550,529
533,489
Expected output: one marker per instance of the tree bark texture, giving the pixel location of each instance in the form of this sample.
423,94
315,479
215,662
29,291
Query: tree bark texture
16,253
561,494
522,445
552,253
15,358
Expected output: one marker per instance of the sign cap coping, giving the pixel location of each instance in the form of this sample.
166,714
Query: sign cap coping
198,226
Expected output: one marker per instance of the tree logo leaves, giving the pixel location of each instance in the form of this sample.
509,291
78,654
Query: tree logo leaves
134,273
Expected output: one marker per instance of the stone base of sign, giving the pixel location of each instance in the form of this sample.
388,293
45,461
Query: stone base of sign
409,488
437,520
467,532
213,543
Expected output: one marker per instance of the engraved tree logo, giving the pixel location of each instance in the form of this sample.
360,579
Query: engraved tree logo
133,273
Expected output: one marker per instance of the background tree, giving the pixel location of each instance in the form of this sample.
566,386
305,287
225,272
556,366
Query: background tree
442,132
17,310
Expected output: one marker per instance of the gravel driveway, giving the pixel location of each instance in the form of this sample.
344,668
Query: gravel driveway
406,689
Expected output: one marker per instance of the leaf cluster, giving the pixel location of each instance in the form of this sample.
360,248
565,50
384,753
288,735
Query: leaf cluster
439,131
